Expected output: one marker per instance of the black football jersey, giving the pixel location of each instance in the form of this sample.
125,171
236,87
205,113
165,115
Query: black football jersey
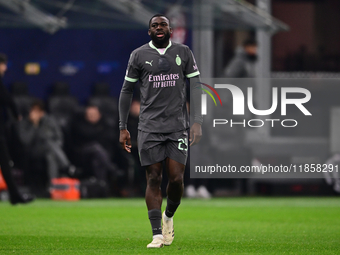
162,78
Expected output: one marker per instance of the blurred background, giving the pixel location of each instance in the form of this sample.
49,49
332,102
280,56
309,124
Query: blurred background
67,61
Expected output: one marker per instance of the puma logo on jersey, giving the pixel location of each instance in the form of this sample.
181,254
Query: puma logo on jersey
150,63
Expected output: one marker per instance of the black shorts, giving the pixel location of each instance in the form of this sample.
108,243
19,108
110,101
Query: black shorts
155,147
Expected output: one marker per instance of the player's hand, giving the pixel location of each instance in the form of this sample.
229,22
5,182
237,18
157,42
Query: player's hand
125,140
195,134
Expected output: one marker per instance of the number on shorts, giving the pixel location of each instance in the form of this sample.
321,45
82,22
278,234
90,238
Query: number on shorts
180,144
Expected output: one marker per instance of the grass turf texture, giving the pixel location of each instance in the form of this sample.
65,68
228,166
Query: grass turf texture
217,226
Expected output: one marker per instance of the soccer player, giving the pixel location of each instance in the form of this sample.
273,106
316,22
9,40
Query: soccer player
161,67
5,161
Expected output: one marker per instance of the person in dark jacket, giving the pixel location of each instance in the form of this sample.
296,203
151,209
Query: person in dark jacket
93,141
243,63
43,140
5,160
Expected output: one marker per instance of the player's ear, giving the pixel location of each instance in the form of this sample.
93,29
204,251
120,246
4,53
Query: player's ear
149,32
170,30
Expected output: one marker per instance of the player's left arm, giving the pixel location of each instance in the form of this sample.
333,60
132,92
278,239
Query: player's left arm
192,73
196,92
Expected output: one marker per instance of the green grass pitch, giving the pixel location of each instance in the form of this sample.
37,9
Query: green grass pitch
217,226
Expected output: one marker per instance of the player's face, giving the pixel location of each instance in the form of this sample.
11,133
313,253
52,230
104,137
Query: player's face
160,30
3,68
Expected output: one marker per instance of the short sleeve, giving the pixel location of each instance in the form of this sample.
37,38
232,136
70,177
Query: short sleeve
191,69
132,72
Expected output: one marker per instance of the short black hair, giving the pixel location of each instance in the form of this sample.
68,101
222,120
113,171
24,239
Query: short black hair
158,15
249,42
3,58
91,104
37,103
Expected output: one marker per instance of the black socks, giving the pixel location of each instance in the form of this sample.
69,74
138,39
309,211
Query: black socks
171,208
155,217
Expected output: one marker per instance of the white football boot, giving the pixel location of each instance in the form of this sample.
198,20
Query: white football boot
157,242
168,229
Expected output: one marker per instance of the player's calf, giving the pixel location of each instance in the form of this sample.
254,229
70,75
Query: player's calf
155,217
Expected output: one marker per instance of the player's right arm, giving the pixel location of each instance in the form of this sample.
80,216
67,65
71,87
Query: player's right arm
125,98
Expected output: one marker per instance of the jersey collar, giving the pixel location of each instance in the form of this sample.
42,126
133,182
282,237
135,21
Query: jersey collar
154,47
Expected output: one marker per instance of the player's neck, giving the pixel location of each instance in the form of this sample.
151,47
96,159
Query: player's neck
161,46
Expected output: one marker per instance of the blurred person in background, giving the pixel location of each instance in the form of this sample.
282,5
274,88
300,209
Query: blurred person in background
43,141
5,161
93,144
194,188
243,63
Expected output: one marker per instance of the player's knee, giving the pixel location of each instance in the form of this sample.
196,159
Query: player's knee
176,180
154,179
